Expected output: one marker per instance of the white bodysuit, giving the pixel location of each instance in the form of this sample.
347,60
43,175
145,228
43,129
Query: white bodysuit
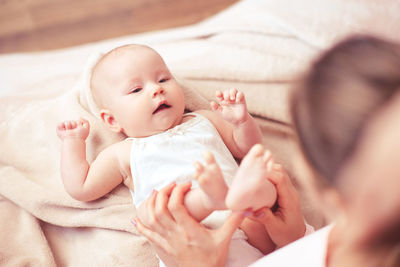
160,159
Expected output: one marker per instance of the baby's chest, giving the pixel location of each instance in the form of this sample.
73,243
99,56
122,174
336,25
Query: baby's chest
174,158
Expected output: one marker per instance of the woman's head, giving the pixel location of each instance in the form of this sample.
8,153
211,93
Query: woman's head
345,87
346,112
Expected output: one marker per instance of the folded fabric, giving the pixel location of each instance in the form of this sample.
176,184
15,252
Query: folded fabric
258,46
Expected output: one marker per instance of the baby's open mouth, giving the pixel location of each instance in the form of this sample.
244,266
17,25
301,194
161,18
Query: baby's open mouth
161,107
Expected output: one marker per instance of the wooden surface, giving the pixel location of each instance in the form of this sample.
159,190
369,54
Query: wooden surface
30,25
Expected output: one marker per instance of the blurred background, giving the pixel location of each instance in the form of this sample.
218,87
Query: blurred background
36,25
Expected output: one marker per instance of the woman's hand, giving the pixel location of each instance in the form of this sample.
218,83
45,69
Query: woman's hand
182,239
284,224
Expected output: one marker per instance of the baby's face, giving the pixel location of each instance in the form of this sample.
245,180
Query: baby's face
142,95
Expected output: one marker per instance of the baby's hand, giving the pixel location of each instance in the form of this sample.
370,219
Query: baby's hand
232,106
73,129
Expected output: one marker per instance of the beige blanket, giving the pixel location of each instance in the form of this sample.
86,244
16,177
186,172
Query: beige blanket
258,46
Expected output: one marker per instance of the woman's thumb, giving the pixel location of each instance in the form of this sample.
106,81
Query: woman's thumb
226,231
266,217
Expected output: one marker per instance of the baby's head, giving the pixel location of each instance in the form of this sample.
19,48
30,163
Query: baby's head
135,92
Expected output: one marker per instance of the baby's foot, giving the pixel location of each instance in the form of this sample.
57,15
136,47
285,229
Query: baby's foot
211,182
251,188
73,129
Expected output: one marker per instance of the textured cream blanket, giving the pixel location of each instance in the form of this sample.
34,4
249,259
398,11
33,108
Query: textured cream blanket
258,46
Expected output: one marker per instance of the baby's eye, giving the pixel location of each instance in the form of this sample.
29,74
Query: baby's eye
136,90
163,80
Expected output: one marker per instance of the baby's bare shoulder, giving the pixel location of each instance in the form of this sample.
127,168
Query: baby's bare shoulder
119,151
122,149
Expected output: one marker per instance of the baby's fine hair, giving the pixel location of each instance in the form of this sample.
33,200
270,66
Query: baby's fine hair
117,51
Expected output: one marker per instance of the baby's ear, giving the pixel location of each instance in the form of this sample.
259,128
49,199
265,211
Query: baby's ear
108,118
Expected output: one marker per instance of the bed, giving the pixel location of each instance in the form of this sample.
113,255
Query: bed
258,46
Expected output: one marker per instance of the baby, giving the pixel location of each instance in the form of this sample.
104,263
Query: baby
138,96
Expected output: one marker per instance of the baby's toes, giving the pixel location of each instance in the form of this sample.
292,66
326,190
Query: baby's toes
199,169
254,156
209,158
270,165
267,156
256,151
204,180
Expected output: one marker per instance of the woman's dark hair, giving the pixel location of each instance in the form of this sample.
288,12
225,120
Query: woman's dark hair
344,87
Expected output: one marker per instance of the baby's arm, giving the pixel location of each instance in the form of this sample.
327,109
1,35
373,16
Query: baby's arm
82,181
233,122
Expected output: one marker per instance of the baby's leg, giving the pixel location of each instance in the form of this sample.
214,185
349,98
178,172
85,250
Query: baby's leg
211,182
212,190
251,187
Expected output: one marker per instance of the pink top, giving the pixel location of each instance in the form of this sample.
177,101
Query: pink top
308,251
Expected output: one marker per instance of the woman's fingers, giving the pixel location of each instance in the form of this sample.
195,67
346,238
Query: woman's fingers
176,203
267,217
154,212
161,205
179,212
187,241
226,231
286,192
148,216
152,236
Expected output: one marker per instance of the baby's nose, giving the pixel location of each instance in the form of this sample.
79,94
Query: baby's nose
158,90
